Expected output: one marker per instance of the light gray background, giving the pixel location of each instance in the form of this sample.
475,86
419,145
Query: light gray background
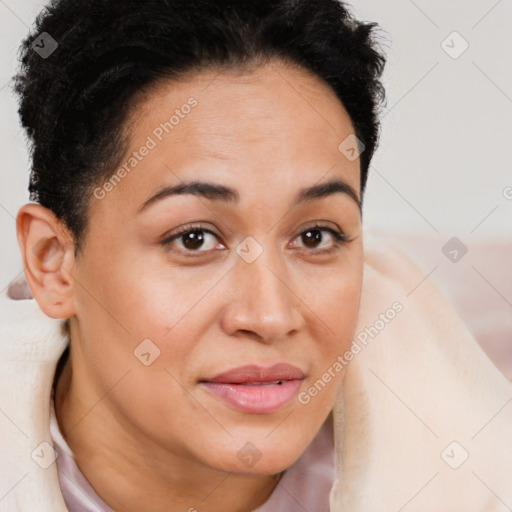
443,166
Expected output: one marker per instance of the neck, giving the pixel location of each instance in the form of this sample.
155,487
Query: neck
131,473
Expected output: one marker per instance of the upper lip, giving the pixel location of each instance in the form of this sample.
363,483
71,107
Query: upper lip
254,373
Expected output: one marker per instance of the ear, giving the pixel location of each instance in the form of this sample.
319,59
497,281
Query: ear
48,255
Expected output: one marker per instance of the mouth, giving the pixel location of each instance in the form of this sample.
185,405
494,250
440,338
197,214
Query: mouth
254,389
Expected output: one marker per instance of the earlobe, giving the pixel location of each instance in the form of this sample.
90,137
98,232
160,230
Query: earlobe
47,252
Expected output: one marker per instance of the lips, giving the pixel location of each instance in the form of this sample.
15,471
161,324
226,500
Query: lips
257,374
255,389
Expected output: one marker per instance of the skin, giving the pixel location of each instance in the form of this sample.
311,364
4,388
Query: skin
152,437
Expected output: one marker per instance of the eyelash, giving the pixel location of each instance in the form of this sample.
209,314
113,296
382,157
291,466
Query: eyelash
339,238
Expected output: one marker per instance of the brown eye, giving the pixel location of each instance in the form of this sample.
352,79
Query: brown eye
313,239
192,239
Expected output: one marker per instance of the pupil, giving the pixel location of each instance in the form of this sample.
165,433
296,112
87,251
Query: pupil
195,238
311,239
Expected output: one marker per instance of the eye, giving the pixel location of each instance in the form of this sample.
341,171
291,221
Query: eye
192,239
197,238
313,239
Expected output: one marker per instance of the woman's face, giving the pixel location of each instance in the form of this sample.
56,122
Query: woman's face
256,276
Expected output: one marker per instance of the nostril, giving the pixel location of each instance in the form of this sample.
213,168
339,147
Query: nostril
250,334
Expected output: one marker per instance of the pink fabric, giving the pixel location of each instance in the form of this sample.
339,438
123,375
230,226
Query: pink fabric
304,486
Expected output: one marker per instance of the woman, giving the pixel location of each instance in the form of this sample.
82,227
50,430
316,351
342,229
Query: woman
198,177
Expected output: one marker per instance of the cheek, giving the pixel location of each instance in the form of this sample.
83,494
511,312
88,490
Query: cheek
141,317
343,310
337,310
131,295
136,338
335,304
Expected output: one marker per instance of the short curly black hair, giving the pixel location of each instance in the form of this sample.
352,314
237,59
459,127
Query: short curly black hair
85,61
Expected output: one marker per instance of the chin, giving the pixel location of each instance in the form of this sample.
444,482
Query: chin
263,457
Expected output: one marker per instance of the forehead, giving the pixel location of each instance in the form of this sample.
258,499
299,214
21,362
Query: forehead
274,105
268,131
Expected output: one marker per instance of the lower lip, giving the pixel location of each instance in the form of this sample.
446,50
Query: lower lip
256,398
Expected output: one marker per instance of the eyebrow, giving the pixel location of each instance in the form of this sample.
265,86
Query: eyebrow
217,192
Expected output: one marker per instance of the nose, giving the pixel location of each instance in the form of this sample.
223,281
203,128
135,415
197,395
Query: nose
263,305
